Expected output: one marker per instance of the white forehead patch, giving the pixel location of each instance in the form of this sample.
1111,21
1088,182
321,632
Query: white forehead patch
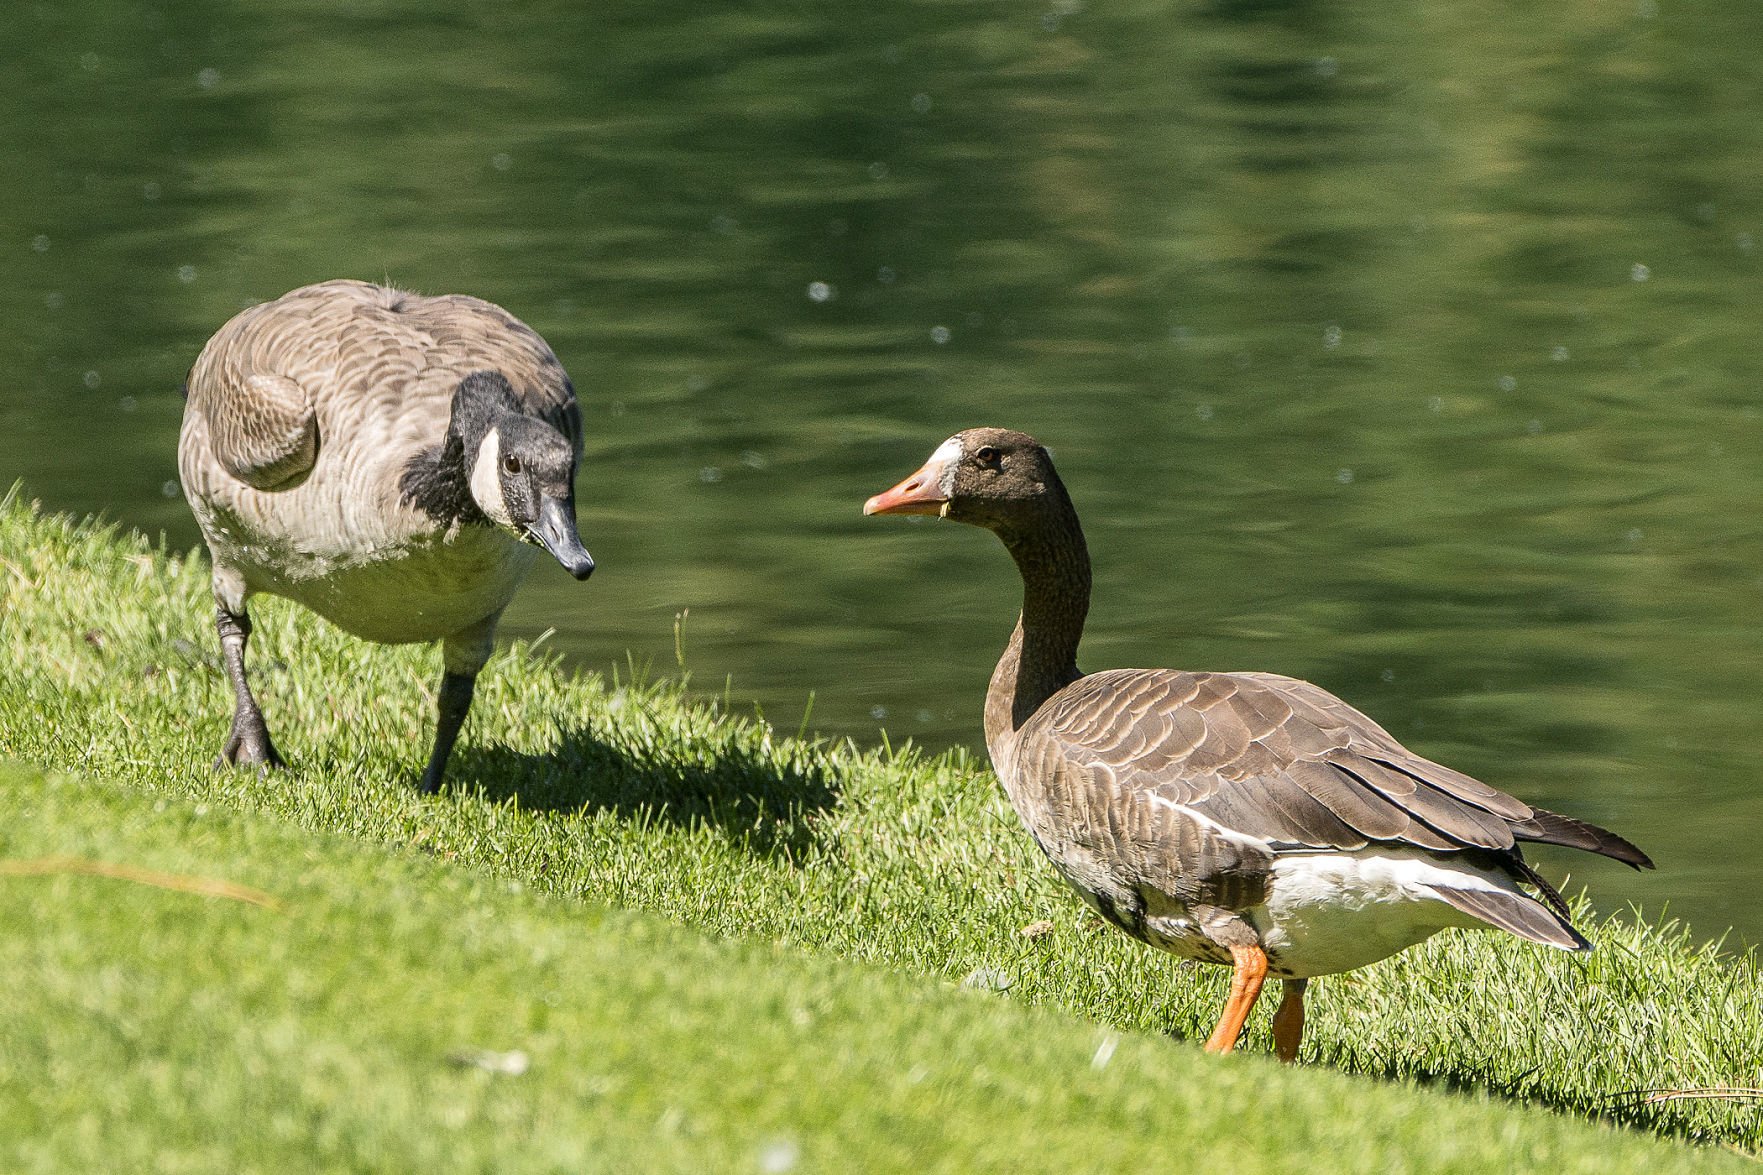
486,480
946,458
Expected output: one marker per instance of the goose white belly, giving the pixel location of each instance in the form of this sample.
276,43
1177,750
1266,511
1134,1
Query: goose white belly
1337,911
389,574
1332,912
422,591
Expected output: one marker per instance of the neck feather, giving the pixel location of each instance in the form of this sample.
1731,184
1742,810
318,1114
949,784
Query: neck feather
437,480
1041,658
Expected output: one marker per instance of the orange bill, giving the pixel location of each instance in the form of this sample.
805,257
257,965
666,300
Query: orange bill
924,492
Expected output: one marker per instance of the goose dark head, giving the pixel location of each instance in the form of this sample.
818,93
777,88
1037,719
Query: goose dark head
522,469
991,477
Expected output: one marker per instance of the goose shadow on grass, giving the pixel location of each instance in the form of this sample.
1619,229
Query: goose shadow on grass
1628,1111
744,795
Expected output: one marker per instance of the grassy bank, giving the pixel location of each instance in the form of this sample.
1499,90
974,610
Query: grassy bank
254,997
631,797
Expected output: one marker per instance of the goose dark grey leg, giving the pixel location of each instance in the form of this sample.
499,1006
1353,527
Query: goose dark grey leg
455,703
462,655
248,741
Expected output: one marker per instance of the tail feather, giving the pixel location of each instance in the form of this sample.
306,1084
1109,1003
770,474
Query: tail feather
1524,916
1552,828
1551,897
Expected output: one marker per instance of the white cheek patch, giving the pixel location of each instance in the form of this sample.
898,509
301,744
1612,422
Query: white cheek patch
486,480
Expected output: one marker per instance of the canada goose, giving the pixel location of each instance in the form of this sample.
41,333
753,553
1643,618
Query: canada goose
384,459
1246,819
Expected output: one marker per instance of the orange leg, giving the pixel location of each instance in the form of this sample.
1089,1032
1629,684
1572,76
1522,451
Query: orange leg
1248,972
1288,1022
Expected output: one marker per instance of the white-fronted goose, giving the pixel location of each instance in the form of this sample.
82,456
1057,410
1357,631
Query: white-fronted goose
384,459
1246,819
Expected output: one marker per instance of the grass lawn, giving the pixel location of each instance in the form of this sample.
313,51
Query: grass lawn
233,1036
388,1012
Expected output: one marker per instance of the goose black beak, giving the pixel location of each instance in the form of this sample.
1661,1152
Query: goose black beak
555,531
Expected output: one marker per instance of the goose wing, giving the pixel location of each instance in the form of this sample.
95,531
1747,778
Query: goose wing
1146,785
255,387
259,383
1269,761
261,427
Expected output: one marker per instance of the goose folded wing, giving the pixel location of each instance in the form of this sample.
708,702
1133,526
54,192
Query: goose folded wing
261,426
1270,759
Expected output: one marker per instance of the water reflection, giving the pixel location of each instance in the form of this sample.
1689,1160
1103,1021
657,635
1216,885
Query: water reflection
1413,355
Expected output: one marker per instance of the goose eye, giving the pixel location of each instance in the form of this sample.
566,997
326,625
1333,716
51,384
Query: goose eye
511,464
989,457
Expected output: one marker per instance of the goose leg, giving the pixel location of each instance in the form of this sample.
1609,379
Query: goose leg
248,741
1288,1021
1248,972
462,655
455,703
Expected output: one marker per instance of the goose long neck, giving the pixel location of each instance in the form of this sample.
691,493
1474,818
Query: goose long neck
1041,658
438,479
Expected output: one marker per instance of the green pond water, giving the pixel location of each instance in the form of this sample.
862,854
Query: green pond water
1412,349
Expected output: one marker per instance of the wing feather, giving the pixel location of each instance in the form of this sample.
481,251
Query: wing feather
1464,823
1270,758
1187,785
261,426
1518,914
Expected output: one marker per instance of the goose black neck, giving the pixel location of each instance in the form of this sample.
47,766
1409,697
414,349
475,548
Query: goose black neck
437,480
480,401
1041,658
